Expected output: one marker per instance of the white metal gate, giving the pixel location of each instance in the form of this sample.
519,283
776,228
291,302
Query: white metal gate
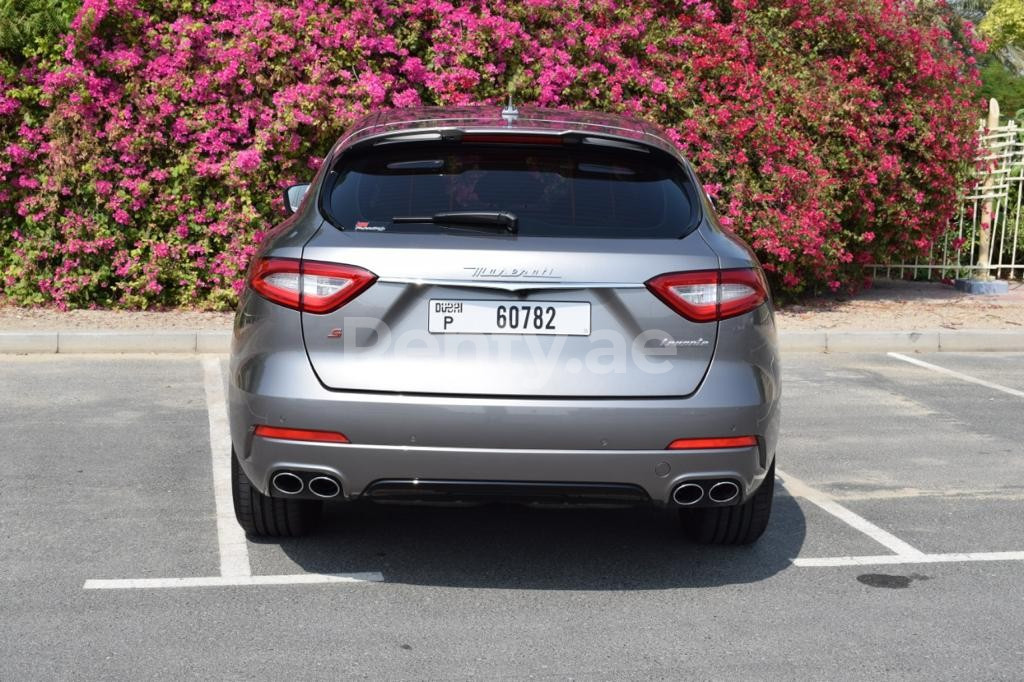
997,191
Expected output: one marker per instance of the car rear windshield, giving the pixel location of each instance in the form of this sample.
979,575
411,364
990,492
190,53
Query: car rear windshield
554,191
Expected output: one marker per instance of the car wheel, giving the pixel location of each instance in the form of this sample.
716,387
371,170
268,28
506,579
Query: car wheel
263,516
738,525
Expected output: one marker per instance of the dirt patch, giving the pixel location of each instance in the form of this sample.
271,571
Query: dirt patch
902,306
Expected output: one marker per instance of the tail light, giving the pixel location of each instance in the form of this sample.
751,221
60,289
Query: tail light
309,286
709,295
712,443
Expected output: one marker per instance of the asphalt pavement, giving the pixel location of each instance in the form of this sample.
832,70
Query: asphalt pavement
896,548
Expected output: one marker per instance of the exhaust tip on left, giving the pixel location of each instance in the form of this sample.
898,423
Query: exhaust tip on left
287,483
688,494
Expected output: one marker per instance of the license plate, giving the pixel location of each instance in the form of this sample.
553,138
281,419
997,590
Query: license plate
509,317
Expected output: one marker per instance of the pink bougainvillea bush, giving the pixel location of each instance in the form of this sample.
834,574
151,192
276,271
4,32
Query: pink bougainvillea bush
141,163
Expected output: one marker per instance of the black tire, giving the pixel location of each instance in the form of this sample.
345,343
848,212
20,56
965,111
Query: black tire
271,517
739,525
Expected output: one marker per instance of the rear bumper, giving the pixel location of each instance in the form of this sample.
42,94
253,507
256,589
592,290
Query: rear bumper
593,441
506,439
359,467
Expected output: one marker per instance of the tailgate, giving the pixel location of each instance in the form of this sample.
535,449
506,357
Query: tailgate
585,325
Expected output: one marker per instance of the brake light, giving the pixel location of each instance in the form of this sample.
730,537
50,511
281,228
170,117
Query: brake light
309,286
712,443
512,138
709,295
300,434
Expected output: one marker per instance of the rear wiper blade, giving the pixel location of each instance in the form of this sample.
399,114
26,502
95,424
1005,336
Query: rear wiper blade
498,220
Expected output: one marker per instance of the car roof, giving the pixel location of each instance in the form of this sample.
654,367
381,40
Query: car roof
485,118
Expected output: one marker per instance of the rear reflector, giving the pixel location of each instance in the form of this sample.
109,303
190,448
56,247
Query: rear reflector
709,295
712,443
300,434
309,286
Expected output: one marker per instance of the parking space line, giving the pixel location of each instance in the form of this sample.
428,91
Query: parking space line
235,568
233,547
897,559
903,552
234,580
798,488
958,375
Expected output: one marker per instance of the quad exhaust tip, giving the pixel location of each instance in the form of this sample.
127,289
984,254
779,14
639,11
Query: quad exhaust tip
723,491
287,483
716,492
688,494
324,486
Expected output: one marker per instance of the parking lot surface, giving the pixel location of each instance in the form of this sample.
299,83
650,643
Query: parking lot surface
896,546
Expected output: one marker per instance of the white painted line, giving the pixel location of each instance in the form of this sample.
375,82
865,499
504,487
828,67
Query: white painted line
958,375
232,581
234,550
897,559
798,488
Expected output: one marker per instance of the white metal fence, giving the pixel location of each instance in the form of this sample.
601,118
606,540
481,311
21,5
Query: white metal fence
995,200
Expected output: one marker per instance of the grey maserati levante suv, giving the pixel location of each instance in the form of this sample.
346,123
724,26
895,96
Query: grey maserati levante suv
537,306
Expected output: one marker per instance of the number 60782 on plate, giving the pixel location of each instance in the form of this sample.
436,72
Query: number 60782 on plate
452,316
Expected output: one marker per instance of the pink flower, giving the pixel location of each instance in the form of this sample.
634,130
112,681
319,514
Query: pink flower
142,163
248,160
405,98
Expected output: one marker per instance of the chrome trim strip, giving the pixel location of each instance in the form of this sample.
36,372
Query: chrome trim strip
511,286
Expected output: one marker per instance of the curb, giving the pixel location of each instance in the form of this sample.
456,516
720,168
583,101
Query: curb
116,342
930,341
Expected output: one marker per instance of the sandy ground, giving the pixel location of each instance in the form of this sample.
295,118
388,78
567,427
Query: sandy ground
900,306
889,305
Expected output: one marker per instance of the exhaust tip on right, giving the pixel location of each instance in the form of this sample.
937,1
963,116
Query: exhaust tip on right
688,494
723,491
287,483
324,486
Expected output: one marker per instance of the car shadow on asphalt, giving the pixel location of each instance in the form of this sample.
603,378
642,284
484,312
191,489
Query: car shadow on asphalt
515,547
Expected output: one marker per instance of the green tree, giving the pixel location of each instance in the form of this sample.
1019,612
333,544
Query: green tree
1003,84
1004,24
30,26
971,9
